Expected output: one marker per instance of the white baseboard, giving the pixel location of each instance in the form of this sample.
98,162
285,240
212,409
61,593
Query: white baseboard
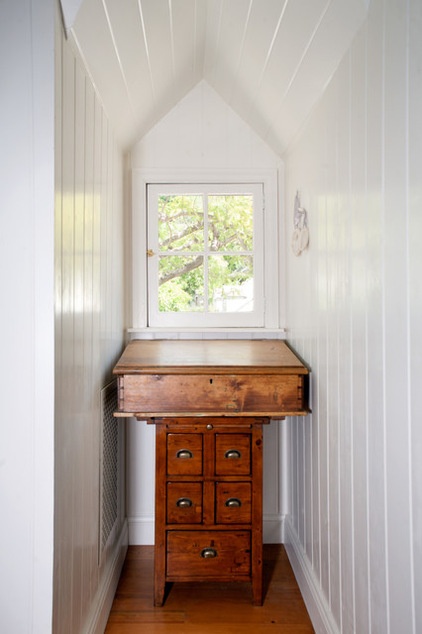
315,601
101,605
141,530
273,529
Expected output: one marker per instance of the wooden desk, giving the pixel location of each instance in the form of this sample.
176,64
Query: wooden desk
209,400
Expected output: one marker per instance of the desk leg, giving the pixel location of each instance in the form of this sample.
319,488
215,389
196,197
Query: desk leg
257,590
257,550
160,518
159,577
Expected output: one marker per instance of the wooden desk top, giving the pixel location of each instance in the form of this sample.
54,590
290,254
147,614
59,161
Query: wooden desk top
203,356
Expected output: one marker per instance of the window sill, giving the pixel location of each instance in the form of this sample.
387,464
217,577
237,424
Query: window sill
206,333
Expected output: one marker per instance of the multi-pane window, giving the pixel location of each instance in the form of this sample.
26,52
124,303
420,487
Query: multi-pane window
205,255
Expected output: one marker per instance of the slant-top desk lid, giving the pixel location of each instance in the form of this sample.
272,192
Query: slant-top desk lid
211,377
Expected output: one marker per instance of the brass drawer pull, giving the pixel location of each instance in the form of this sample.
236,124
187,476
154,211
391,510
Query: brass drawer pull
233,503
233,454
184,454
184,503
208,553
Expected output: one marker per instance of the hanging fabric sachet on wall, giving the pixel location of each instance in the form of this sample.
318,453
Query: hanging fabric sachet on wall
300,238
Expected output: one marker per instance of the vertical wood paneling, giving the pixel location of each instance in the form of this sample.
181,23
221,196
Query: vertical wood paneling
314,471
308,489
89,312
294,482
26,316
63,440
79,425
90,496
359,370
333,303
342,307
321,380
396,316
356,165
415,290
375,355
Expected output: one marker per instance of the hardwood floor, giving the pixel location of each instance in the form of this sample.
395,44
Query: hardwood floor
208,608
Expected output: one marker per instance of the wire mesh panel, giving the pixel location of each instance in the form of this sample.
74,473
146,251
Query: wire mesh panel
110,468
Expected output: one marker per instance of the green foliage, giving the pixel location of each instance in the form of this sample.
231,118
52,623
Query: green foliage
180,223
230,223
172,297
228,234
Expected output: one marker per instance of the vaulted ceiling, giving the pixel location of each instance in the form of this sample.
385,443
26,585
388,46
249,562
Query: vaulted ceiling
270,60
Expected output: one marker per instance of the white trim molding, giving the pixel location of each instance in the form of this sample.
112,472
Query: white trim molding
101,605
272,232
206,333
315,601
141,530
273,529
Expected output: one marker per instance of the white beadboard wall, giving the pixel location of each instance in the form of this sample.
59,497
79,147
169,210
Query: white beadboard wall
26,315
89,229
355,311
201,132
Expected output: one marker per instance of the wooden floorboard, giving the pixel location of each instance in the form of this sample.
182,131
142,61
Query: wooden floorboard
208,608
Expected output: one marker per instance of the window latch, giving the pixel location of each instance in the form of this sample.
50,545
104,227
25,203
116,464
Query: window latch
150,253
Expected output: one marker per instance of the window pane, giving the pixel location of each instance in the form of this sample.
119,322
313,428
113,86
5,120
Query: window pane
181,284
180,223
230,283
205,254
230,222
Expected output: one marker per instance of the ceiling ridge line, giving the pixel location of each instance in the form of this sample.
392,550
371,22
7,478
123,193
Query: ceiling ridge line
119,61
215,52
242,45
141,17
173,56
195,41
254,99
298,66
270,48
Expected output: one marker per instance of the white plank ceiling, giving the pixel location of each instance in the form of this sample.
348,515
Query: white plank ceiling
270,60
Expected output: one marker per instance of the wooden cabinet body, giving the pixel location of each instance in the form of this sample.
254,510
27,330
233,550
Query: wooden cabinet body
208,510
209,401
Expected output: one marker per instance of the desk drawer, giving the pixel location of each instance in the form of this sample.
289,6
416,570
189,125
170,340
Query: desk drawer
232,454
233,502
184,502
218,555
219,393
184,454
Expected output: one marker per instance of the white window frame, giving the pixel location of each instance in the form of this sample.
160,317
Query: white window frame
271,232
253,318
